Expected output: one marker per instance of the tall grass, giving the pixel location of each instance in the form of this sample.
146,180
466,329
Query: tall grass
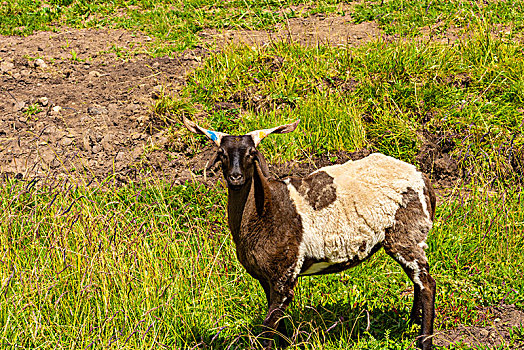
150,265
408,17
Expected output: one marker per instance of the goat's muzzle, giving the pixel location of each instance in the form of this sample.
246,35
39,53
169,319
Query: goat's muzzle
235,181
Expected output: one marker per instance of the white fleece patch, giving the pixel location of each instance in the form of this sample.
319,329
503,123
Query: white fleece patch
369,192
413,265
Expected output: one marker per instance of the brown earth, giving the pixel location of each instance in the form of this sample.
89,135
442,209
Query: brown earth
495,333
90,113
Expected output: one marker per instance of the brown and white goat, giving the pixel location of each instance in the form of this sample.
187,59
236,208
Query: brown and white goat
327,222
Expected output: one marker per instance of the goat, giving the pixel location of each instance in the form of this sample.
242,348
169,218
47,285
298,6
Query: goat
327,222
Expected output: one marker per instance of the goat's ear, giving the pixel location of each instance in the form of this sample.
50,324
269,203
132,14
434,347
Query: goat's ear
214,136
215,159
261,161
258,135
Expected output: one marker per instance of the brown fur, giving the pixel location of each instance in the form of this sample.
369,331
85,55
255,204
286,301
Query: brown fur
402,244
318,189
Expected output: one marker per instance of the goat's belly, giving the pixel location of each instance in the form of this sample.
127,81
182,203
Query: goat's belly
312,266
326,252
340,236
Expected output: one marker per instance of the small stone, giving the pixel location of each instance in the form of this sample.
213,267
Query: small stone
43,101
96,149
6,66
56,110
107,142
484,332
120,156
86,141
497,320
96,110
112,109
137,152
162,141
40,63
148,38
66,141
95,74
19,106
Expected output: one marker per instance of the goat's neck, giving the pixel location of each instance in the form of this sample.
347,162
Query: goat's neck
236,203
258,188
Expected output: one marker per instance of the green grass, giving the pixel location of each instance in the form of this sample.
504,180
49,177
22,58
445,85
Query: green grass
380,95
151,264
175,24
408,17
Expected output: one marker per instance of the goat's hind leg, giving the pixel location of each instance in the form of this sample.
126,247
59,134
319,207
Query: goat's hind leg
414,263
416,310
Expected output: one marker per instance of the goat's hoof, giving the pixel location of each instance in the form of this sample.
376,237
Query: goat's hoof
415,320
424,345
267,344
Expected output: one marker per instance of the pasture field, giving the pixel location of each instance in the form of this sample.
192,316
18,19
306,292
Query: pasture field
113,236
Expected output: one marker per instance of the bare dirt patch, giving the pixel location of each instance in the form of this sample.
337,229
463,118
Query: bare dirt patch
84,115
310,31
499,320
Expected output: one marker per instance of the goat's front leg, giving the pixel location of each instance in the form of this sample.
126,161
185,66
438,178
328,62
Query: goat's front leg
279,298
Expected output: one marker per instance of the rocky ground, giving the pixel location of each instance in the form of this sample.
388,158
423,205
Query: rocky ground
85,115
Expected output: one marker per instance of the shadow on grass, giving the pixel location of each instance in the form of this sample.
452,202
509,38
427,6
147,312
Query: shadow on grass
322,324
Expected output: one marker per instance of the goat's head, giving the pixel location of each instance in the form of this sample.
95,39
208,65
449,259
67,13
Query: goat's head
238,154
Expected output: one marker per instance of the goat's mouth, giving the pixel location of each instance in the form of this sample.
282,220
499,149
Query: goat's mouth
235,186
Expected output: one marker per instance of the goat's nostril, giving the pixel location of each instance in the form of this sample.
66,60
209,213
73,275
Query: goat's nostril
235,177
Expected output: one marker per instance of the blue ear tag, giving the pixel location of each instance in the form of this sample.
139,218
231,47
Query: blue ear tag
212,135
